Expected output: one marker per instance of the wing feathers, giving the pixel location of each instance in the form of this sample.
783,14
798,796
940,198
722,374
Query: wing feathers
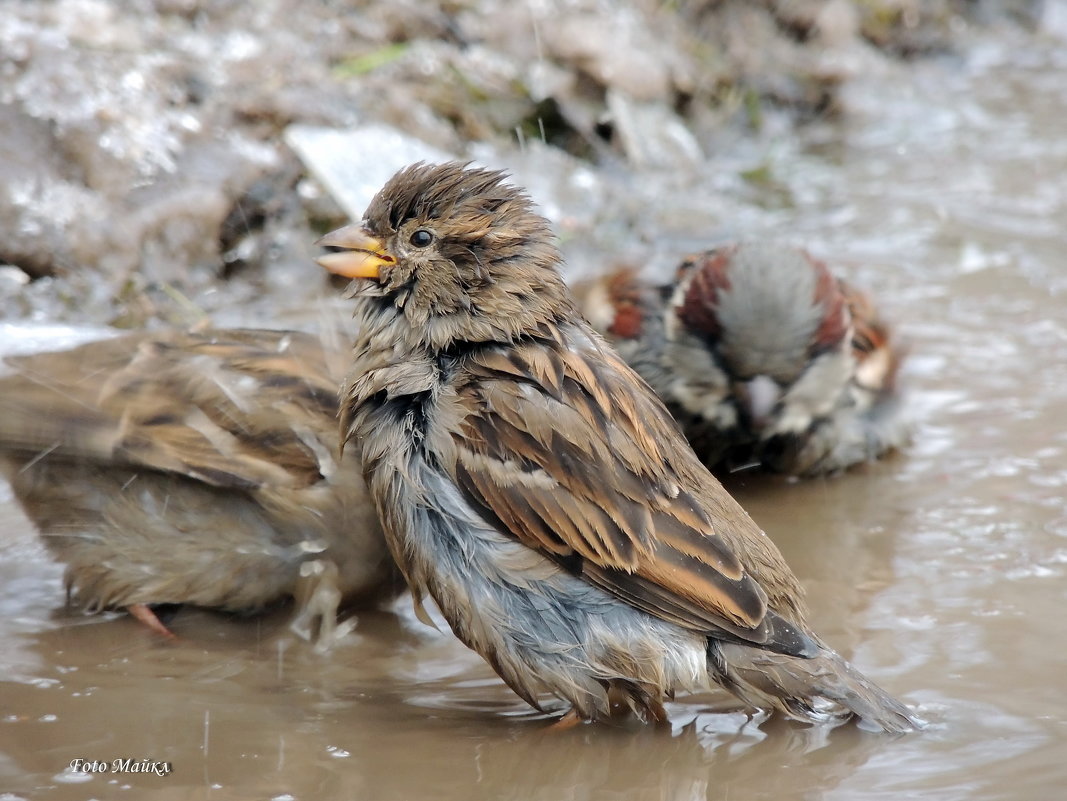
235,409
570,456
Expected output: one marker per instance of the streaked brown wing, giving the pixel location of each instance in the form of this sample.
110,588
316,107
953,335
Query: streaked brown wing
572,454
236,409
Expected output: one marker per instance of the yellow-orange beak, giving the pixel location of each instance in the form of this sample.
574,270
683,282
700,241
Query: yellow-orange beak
360,255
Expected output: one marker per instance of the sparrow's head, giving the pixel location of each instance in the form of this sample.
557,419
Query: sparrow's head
760,339
458,251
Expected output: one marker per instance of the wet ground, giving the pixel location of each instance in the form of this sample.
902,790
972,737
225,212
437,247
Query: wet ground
942,571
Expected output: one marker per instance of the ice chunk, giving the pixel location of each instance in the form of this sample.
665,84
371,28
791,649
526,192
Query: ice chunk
354,164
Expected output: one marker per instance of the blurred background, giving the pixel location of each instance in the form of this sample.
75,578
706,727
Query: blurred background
166,163
145,175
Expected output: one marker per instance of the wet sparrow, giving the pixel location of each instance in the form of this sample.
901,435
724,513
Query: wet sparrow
762,356
534,486
193,468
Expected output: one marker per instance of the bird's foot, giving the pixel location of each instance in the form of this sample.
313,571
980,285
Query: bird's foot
144,613
567,722
318,598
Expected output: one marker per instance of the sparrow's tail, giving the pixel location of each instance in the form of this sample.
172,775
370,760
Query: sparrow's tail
824,688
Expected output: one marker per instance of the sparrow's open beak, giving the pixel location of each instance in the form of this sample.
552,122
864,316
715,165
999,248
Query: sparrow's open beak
356,254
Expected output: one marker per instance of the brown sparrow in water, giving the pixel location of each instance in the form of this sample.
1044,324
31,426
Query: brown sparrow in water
762,356
536,488
197,468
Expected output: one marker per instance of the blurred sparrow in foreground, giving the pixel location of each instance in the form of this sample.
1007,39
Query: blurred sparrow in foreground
539,492
193,468
762,356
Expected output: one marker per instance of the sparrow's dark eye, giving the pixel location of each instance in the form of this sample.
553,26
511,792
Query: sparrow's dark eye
421,238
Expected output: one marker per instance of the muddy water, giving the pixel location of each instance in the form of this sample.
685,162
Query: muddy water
941,571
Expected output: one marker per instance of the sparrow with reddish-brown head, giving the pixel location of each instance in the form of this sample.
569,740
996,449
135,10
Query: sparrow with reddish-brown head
195,468
537,490
762,356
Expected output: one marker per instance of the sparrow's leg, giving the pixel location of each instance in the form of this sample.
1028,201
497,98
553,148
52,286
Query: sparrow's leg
567,722
144,613
318,597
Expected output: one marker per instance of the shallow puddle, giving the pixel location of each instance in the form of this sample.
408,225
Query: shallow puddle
940,571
